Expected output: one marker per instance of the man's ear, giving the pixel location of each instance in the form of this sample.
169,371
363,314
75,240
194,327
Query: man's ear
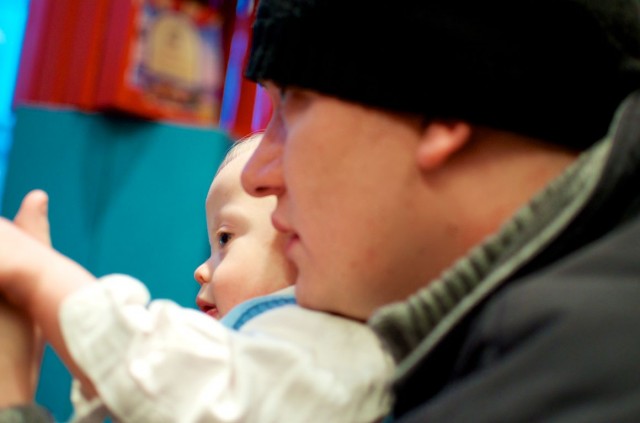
440,140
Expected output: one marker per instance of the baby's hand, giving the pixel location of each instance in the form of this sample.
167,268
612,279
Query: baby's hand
21,343
32,217
37,279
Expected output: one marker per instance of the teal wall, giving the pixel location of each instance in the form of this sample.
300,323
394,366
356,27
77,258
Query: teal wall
126,196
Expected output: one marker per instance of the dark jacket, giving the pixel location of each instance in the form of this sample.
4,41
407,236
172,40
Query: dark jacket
541,323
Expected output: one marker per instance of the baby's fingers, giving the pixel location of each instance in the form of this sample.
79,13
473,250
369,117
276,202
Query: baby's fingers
33,216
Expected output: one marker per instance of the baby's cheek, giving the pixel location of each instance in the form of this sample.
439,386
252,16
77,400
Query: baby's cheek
229,289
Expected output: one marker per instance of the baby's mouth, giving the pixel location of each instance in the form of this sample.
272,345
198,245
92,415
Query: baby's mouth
208,308
213,312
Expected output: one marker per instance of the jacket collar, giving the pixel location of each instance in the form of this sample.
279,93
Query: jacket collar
550,222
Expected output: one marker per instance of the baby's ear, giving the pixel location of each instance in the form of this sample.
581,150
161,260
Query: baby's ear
440,140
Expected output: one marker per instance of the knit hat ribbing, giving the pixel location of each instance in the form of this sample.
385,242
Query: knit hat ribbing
553,69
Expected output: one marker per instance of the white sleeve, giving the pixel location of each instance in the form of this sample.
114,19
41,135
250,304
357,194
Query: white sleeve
160,362
86,410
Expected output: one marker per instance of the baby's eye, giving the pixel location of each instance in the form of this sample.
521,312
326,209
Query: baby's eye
223,238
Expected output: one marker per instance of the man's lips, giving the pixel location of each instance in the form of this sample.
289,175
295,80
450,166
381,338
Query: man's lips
292,239
280,225
290,236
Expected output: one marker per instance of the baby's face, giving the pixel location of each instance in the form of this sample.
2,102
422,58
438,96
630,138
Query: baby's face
247,257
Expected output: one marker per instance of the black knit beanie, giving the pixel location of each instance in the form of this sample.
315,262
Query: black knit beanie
552,69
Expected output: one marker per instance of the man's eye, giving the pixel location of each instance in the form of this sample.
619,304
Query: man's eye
223,238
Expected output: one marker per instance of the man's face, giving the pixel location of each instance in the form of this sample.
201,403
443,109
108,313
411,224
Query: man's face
350,200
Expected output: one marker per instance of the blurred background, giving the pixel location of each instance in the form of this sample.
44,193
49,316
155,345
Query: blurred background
122,110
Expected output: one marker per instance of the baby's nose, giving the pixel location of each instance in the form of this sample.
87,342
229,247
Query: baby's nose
202,274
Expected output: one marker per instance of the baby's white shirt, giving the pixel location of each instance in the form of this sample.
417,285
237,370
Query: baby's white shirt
160,362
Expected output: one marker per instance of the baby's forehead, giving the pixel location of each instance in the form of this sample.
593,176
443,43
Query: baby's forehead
227,185
241,148
224,186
